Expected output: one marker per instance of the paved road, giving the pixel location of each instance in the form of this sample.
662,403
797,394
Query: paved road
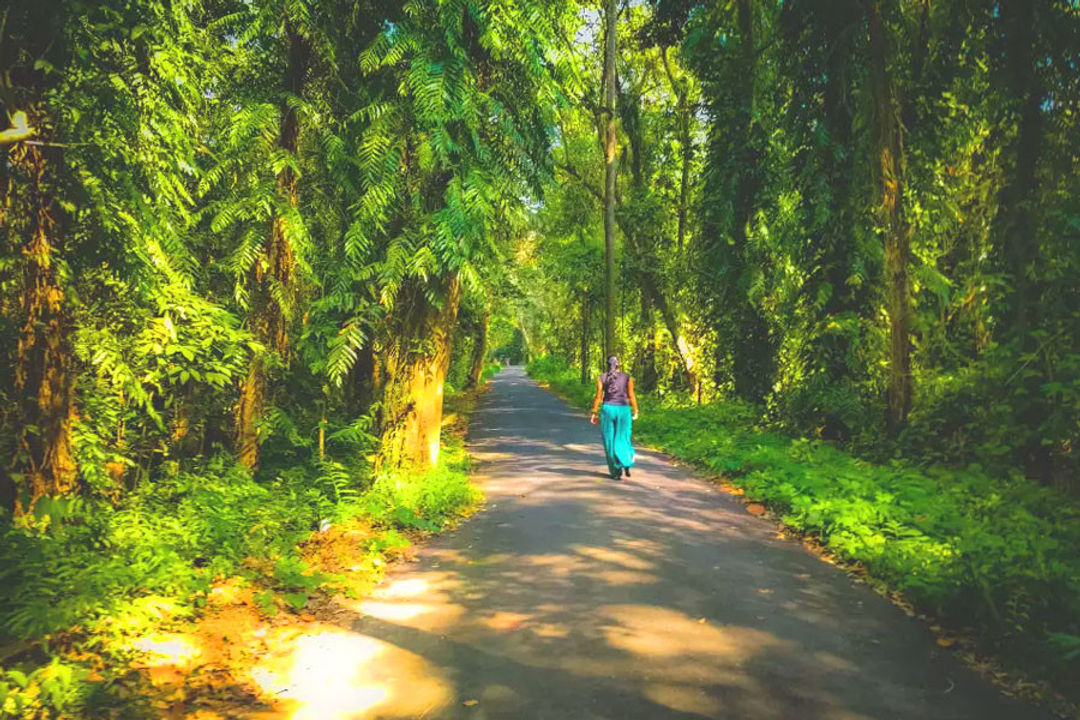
575,596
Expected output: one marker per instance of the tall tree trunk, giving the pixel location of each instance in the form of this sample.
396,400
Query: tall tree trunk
479,352
44,376
832,246
1017,198
747,169
362,381
836,166
684,180
270,310
610,17
413,381
686,149
583,353
751,351
249,410
890,150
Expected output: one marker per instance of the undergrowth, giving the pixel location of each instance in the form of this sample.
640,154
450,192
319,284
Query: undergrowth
82,578
1000,558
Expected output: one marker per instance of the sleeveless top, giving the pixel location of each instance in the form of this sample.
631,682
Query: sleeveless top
616,388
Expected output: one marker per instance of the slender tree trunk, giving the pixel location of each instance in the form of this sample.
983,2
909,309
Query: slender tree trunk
1017,199
684,180
44,376
270,311
833,250
248,412
479,352
897,251
746,188
645,375
610,17
583,354
362,381
837,167
687,148
413,381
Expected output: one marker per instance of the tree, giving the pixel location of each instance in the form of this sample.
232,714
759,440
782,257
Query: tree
455,135
609,81
890,175
91,197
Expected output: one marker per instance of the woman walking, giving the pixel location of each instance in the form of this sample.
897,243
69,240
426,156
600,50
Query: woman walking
615,389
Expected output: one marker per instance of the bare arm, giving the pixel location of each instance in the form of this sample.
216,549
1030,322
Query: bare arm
633,397
596,401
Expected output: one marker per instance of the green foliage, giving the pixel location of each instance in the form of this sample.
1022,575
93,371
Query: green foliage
84,560
425,502
1001,556
115,572
104,573
55,687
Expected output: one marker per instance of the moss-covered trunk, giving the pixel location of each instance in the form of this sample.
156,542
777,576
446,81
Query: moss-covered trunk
414,358
44,376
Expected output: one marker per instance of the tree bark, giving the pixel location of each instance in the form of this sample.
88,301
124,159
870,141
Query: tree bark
413,380
44,376
890,168
1017,199
610,17
248,412
362,382
276,283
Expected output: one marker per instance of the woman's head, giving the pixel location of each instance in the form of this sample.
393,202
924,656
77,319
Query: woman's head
613,363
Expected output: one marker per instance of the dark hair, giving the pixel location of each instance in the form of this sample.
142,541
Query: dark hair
608,378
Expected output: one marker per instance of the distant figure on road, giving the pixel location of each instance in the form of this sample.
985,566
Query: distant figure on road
615,389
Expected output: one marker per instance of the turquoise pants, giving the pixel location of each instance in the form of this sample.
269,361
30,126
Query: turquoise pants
616,422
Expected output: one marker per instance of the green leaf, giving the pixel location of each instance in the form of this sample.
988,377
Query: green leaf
296,600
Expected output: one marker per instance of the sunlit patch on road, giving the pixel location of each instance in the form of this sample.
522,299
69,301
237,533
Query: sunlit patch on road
335,674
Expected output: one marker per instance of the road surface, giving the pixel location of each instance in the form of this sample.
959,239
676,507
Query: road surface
575,596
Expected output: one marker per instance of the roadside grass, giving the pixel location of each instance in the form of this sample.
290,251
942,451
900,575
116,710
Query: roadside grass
997,562
85,583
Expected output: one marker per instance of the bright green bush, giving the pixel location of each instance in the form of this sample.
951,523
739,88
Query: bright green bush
491,370
426,502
